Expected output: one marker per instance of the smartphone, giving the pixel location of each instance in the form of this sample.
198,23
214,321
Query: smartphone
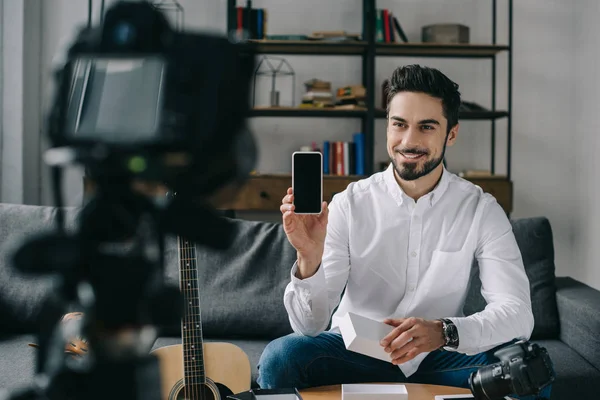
307,181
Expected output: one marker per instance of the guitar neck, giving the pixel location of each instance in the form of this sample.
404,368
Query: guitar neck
191,324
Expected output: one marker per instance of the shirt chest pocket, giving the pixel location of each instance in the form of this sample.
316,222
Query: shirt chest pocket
448,273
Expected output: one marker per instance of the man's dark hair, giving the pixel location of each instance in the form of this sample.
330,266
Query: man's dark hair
416,78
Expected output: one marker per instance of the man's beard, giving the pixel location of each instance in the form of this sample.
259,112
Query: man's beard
410,171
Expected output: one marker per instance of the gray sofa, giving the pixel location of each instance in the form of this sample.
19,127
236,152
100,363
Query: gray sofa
242,289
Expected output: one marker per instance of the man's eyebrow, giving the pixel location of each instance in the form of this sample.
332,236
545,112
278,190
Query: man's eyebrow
422,122
429,121
396,118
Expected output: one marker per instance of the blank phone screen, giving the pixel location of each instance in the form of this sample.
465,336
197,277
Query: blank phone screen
307,183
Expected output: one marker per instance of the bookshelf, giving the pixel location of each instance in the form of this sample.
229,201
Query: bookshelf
368,50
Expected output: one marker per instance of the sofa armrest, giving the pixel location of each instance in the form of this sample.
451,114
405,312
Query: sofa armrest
579,315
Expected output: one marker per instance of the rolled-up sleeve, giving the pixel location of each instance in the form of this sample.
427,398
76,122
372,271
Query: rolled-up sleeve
504,286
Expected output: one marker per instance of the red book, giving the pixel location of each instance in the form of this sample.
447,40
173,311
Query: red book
386,26
240,21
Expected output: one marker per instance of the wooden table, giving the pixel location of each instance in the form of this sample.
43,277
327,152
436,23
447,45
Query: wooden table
416,391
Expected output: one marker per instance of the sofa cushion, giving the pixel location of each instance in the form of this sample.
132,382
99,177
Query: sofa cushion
575,377
25,293
241,288
17,362
534,238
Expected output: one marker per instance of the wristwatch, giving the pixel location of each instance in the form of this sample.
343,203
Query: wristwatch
450,333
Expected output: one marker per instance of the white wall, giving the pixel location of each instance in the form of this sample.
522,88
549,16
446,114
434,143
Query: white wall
581,139
554,90
543,129
12,103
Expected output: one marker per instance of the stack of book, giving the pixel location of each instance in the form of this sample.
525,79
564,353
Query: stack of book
349,97
387,28
251,23
344,158
318,94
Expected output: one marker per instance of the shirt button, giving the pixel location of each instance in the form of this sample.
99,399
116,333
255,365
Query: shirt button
411,288
414,254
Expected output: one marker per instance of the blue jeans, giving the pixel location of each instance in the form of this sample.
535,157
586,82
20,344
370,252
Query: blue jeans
304,361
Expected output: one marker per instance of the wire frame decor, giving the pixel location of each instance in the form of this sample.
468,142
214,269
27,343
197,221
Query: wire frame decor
173,10
274,67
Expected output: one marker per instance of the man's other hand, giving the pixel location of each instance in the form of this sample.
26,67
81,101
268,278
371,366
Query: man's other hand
410,337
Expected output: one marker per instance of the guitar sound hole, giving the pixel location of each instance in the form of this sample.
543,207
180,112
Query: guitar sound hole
211,391
196,392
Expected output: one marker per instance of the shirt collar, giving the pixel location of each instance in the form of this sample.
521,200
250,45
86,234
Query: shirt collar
399,195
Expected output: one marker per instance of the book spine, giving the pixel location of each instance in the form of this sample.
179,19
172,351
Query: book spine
265,20
346,158
259,24
379,27
391,25
352,157
339,158
326,158
359,143
386,25
240,21
401,33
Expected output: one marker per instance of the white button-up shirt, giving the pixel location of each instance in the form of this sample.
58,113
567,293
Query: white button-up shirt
398,258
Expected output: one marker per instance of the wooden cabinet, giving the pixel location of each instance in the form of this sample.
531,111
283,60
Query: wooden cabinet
501,189
265,192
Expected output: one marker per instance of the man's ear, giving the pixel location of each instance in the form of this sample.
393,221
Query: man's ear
451,136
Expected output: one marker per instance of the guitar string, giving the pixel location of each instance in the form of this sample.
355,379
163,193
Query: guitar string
186,381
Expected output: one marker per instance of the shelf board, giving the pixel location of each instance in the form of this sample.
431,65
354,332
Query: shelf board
439,50
305,112
313,47
326,177
472,115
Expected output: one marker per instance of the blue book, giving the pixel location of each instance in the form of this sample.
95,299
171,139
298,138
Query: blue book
326,152
359,148
259,24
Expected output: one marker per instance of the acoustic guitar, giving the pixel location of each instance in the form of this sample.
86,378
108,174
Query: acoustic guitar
195,370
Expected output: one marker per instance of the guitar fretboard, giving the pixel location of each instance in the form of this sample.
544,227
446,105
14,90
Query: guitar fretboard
191,323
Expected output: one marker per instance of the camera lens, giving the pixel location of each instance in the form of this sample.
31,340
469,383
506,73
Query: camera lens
490,382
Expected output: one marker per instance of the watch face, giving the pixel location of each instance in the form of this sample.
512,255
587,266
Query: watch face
450,333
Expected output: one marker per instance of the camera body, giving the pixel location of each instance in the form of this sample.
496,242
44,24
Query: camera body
524,368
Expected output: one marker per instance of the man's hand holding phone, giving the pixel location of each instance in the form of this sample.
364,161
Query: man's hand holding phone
306,232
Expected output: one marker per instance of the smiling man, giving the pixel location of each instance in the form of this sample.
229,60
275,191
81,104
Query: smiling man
398,247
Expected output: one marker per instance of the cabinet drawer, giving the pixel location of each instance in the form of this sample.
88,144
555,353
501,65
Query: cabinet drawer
501,189
265,192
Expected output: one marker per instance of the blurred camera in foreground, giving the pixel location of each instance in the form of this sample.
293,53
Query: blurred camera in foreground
137,98
147,111
524,369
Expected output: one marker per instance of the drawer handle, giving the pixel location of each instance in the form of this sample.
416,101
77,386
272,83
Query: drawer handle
264,195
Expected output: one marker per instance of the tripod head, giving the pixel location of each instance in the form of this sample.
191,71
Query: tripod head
147,111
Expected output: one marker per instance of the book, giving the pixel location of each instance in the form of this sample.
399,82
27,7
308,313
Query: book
359,153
